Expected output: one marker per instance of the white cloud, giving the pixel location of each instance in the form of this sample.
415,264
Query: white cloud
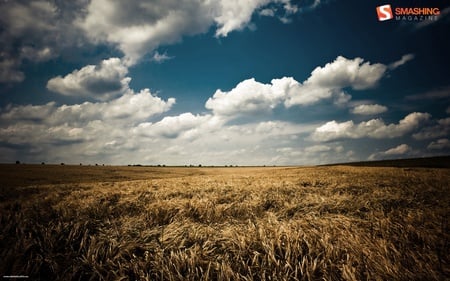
185,124
399,150
345,72
101,82
235,14
131,108
374,128
159,58
268,12
327,82
369,109
137,27
439,144
248,97
87,132
402,61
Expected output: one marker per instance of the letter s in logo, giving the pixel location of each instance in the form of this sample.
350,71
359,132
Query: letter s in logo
384,12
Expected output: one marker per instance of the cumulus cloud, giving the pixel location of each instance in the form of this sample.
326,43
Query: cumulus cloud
235,14
344,72
374,128
138,27
79,133
186,124
131,108
38,30
439,144
327,82
369,109
399,150
248,97
101,82
330,80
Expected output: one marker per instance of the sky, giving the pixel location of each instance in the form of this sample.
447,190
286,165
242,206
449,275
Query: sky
222,82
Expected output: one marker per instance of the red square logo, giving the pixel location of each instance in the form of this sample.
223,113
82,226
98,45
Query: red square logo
384,12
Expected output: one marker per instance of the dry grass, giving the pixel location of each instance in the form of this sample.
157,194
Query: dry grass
320,223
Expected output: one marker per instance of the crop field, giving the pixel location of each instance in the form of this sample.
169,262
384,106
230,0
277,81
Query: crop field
268,223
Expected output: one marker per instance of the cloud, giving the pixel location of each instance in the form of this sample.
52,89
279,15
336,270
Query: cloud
100,131
248,97
94,132
369,109
159,58
441,93
402,61
401,149
130,108
444,15
184,124
374,128
9,70
343,72
438,129
101,82
235,15
439,144
35,31
317,148
328,82
137,27
268,12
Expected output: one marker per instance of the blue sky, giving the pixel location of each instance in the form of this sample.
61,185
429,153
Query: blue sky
255,82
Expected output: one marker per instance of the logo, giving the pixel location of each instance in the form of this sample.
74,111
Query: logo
384,12
411,14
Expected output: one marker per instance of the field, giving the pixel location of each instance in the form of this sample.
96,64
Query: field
273,223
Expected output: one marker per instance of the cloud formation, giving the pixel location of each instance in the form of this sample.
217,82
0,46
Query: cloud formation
324,83
138,27
394,152
369,109
35,31
437,129
374,128
439,144
101,82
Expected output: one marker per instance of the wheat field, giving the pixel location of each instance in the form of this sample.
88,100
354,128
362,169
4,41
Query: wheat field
273,223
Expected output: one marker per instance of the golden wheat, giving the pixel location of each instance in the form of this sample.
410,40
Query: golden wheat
312,223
